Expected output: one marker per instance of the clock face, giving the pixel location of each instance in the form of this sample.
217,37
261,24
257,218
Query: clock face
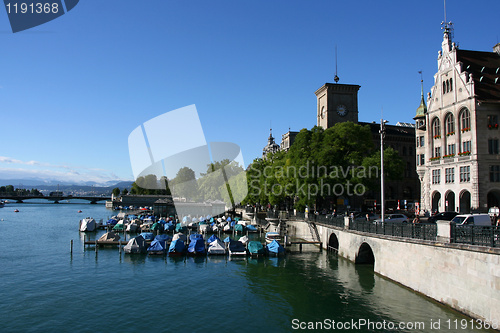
323,112
341,110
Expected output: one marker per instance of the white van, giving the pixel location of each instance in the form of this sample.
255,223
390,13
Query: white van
472,219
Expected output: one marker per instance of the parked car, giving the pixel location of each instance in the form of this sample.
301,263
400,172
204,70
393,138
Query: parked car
472,219
371,216
444,216
394,218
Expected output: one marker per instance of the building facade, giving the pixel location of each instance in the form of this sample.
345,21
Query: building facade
457,134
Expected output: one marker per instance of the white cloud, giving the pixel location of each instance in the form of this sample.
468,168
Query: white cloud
51,172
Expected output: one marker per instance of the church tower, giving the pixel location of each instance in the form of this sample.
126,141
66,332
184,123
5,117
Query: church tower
337,103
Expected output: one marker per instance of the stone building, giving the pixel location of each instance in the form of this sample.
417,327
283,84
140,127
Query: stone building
339,103
457,134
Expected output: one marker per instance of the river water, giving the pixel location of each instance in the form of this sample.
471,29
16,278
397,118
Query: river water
46,289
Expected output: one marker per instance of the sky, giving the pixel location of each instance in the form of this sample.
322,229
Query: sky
73,89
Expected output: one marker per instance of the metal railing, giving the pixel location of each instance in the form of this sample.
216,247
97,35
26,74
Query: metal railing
424,231
475,235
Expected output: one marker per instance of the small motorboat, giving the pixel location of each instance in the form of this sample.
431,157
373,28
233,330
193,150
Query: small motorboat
156,248
79,211
256,248
275,249
16,210
270,236
177,248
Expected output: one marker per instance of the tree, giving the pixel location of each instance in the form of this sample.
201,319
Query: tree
116,192
185,184
125,191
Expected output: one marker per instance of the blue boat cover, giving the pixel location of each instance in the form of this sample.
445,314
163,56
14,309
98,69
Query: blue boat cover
169,226
236,219
177,246
156,245
162,221
239,227
251,227
180,228
149,236
275,247
255,247
156,226
229,219
236,246
195,236
186,219
227,239
112,222
197,245
211,219
233,223
212,239
163,238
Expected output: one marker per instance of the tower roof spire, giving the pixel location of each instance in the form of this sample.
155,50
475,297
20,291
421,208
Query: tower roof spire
422,109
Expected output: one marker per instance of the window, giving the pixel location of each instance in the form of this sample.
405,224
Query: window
492,121
495,173
404,151
465,174
466,146
422,159
436,176
465,120
447,86
436,129
449,175
451,149
420,141
437,152
450,124
492,146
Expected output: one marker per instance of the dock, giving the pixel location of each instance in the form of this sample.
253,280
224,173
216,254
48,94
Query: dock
300,243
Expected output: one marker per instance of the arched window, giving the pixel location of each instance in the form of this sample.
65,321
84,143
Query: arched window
450,124
464,120
436,129
444,87
451,84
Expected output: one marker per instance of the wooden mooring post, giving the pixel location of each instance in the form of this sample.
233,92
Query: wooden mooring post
71,249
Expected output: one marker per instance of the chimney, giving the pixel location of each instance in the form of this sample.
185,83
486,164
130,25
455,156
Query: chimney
496,48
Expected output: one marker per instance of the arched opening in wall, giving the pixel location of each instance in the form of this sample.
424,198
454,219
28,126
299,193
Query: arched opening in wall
436,198
450,201
465,201
333,243
365,255
493,198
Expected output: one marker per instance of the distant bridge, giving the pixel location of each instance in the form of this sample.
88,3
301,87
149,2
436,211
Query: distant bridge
55,199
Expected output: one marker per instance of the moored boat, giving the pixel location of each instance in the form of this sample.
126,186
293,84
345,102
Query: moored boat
236,248
87,224
156,248
177,248
271,236
275,249
135,245
256,248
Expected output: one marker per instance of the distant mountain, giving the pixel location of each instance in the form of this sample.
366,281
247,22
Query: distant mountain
85,188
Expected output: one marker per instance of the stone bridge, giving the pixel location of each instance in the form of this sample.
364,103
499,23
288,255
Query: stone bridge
464,277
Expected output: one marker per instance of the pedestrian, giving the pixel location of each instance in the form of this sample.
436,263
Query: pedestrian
367,218
416,219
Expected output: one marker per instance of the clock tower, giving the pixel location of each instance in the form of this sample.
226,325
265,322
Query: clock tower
337,103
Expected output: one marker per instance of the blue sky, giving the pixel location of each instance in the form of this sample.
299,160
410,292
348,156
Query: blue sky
73,89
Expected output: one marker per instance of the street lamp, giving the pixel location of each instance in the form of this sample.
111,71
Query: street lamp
382,196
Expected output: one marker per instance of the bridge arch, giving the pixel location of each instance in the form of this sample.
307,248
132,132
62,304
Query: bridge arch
333,242
365,255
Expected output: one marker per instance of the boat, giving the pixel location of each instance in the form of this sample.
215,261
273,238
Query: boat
239,228
212,239
251,228
256,248
270,236
196,246
236,248
275,249
216,247
16,210
177,248
135,245
148,236
119,227
244,240
180,236
109,237
156,248
87,224
79,211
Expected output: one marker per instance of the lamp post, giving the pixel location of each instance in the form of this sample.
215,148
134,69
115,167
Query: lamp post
382,196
